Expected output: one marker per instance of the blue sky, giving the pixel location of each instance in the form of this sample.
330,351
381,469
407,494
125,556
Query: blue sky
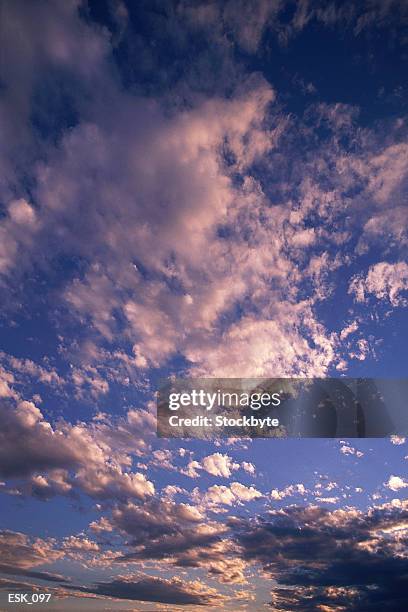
199,189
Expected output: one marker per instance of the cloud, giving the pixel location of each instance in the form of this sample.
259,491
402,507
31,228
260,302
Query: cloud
389,225
243,493
247,22
359,19
346,449
389,172
395,483
112,482
92,458
397,440
255,347
75,543
66,50
221,495
328,500
248,467
23,370
384,280
17,233
198,192
217,464
352,549
6,381
19,554
288,491
185,162
176,534
151,523
147,588
38,575
158,286
349,329
167,205
221,560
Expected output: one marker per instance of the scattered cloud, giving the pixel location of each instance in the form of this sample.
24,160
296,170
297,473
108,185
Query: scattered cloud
384,280
346,449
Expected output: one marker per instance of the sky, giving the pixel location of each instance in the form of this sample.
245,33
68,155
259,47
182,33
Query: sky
199,188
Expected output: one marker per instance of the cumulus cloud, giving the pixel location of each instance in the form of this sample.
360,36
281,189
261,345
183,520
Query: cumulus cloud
295,489
66,48
90,457
395,483
220,495
217,464
352,549
248,467
155,519
175,534
74,543
349,329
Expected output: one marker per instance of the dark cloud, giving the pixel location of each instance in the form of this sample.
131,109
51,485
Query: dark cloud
178,534
18,571
173,591
155,520
67,459
330,558
13,585
19,554
27,445
162,529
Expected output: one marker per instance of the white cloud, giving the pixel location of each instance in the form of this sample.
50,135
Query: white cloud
349,329
397,440
395,483
248,467
289,491
221,495
346,449
327,500
384,280
219,465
